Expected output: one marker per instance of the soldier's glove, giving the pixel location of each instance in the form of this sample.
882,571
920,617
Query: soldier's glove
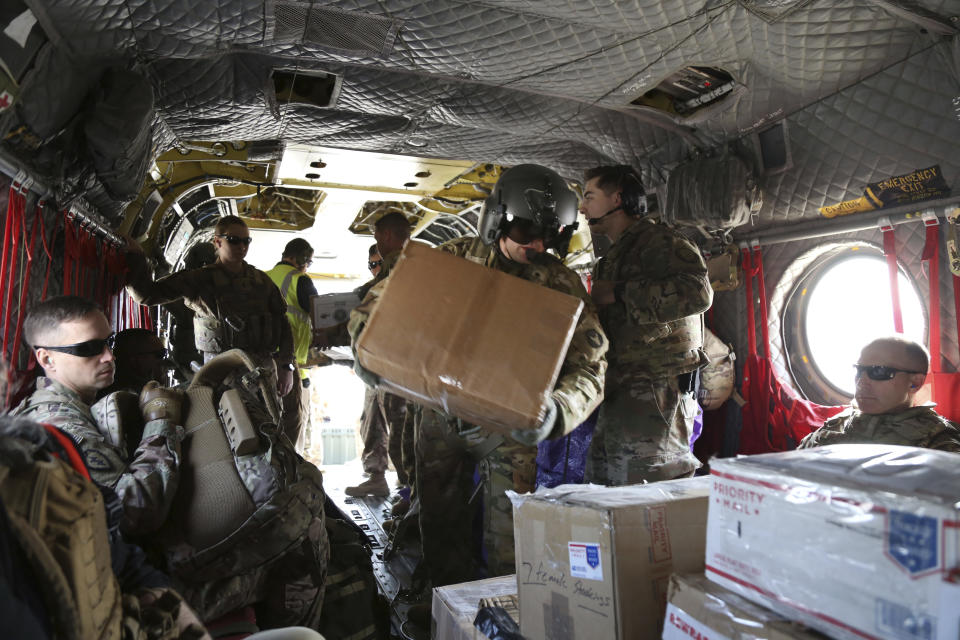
161,403
368,377
533,437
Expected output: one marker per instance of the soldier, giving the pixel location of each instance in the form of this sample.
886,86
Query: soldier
71,339
297,256
235,304
889,374
139,356
381,426
531,209
651,289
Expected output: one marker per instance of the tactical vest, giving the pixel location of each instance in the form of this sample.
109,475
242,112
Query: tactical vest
647,351
59,520
246,500
244,319
286,277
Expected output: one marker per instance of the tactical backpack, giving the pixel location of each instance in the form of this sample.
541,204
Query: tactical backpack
246,501
712,193
58,518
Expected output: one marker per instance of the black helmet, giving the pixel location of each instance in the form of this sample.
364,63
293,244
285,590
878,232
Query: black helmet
530,200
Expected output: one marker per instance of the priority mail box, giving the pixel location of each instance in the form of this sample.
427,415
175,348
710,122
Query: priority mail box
474,342
455,606
701,610
595,562
858,541
332,309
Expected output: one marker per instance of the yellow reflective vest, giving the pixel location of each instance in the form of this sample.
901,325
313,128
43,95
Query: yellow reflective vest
285,276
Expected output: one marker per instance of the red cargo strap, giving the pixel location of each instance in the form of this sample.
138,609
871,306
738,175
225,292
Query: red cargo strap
25,285
748,273
16,208
931,255
890,251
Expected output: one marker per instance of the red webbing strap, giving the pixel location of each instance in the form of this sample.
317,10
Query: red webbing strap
762,293
956,304
748,286
69,251
890,251
25,285
931,255
15,214
46,250
8,230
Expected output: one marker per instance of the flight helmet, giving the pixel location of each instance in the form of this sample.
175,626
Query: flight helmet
530,201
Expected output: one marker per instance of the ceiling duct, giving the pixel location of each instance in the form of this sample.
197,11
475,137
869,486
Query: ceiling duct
334,29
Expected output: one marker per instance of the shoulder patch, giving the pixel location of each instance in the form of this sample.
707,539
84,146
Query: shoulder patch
594,338
96,461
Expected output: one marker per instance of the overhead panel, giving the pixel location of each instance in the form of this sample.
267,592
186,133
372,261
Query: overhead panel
403,177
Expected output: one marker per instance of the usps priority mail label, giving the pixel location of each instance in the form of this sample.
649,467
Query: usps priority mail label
585,560
678,625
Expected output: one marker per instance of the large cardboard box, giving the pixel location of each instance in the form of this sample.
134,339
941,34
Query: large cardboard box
331,309
455,606
595,562
700,609
858,541
477,343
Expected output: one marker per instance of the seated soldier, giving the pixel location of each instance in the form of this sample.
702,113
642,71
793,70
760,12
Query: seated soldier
889,374
139,357
72,341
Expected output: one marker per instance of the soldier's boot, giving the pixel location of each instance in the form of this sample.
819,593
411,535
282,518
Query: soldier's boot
376,485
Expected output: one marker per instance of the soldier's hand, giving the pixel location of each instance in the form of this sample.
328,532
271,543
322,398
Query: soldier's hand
284,382
161,403
602,292
533,437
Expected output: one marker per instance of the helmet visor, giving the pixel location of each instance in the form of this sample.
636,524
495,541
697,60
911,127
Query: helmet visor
524,231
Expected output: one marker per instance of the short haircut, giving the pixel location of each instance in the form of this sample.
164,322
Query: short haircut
226,222
298,248
394,222
609,177
916,353
128,338
372,250
50,314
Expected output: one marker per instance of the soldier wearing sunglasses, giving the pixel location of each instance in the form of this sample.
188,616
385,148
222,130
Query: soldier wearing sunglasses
889,374
236,305
72,341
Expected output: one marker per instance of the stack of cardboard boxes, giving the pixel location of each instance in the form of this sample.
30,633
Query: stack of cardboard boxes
852,541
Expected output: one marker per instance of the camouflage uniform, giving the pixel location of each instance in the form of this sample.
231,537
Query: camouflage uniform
656,334
919,426
447,449
381,429
232,310
146,485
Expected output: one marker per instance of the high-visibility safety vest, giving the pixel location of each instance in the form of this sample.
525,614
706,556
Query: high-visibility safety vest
285,276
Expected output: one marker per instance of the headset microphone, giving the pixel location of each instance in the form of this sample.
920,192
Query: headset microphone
594,221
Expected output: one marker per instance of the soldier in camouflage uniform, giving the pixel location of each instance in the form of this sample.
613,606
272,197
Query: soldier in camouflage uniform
890,371
651,289
381,427
530,210
72,338
235,305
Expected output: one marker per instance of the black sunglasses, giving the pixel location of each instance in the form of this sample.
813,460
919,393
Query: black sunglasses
87,349
374,264
878,372
237,239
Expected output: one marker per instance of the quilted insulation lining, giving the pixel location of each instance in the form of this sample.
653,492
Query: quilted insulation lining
865,94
